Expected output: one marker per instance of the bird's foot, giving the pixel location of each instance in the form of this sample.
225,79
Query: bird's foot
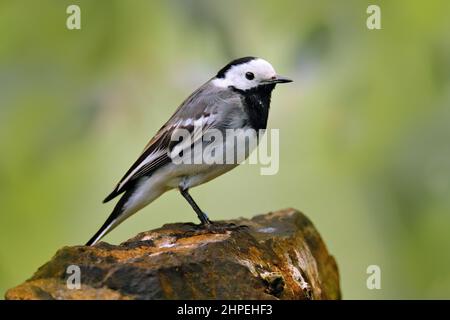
221,227
204,220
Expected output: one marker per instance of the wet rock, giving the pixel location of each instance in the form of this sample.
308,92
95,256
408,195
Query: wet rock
279,255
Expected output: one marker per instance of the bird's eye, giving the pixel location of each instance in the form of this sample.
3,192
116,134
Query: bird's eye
250,75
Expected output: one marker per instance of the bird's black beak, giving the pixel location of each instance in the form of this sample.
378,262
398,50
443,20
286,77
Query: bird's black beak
279,79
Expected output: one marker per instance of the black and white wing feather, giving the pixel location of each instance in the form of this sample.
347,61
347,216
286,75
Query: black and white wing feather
208,107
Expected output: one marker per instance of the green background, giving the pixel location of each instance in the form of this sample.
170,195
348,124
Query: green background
364,129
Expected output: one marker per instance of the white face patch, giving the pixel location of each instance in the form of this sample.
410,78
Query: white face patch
236,75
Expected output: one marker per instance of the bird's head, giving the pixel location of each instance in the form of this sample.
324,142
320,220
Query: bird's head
248,73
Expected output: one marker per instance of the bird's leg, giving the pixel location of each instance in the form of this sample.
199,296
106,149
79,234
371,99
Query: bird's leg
201,215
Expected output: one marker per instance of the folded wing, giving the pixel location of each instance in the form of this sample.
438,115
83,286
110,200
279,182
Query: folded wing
201,109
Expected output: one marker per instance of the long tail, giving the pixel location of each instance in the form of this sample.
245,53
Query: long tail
113,220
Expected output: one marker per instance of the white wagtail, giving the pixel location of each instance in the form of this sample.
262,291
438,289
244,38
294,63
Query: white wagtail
238,97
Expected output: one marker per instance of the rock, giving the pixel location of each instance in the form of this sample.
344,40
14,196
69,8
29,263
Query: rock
279,255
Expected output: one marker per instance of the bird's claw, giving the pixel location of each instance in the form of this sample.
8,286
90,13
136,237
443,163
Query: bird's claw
222,227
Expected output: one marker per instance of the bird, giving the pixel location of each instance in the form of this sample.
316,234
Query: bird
237,97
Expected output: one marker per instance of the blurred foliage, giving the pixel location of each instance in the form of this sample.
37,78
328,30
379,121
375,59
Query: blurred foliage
365,127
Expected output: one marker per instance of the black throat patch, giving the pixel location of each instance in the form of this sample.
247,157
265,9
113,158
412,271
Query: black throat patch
256,104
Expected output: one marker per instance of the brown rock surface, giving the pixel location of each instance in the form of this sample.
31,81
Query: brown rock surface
279,255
